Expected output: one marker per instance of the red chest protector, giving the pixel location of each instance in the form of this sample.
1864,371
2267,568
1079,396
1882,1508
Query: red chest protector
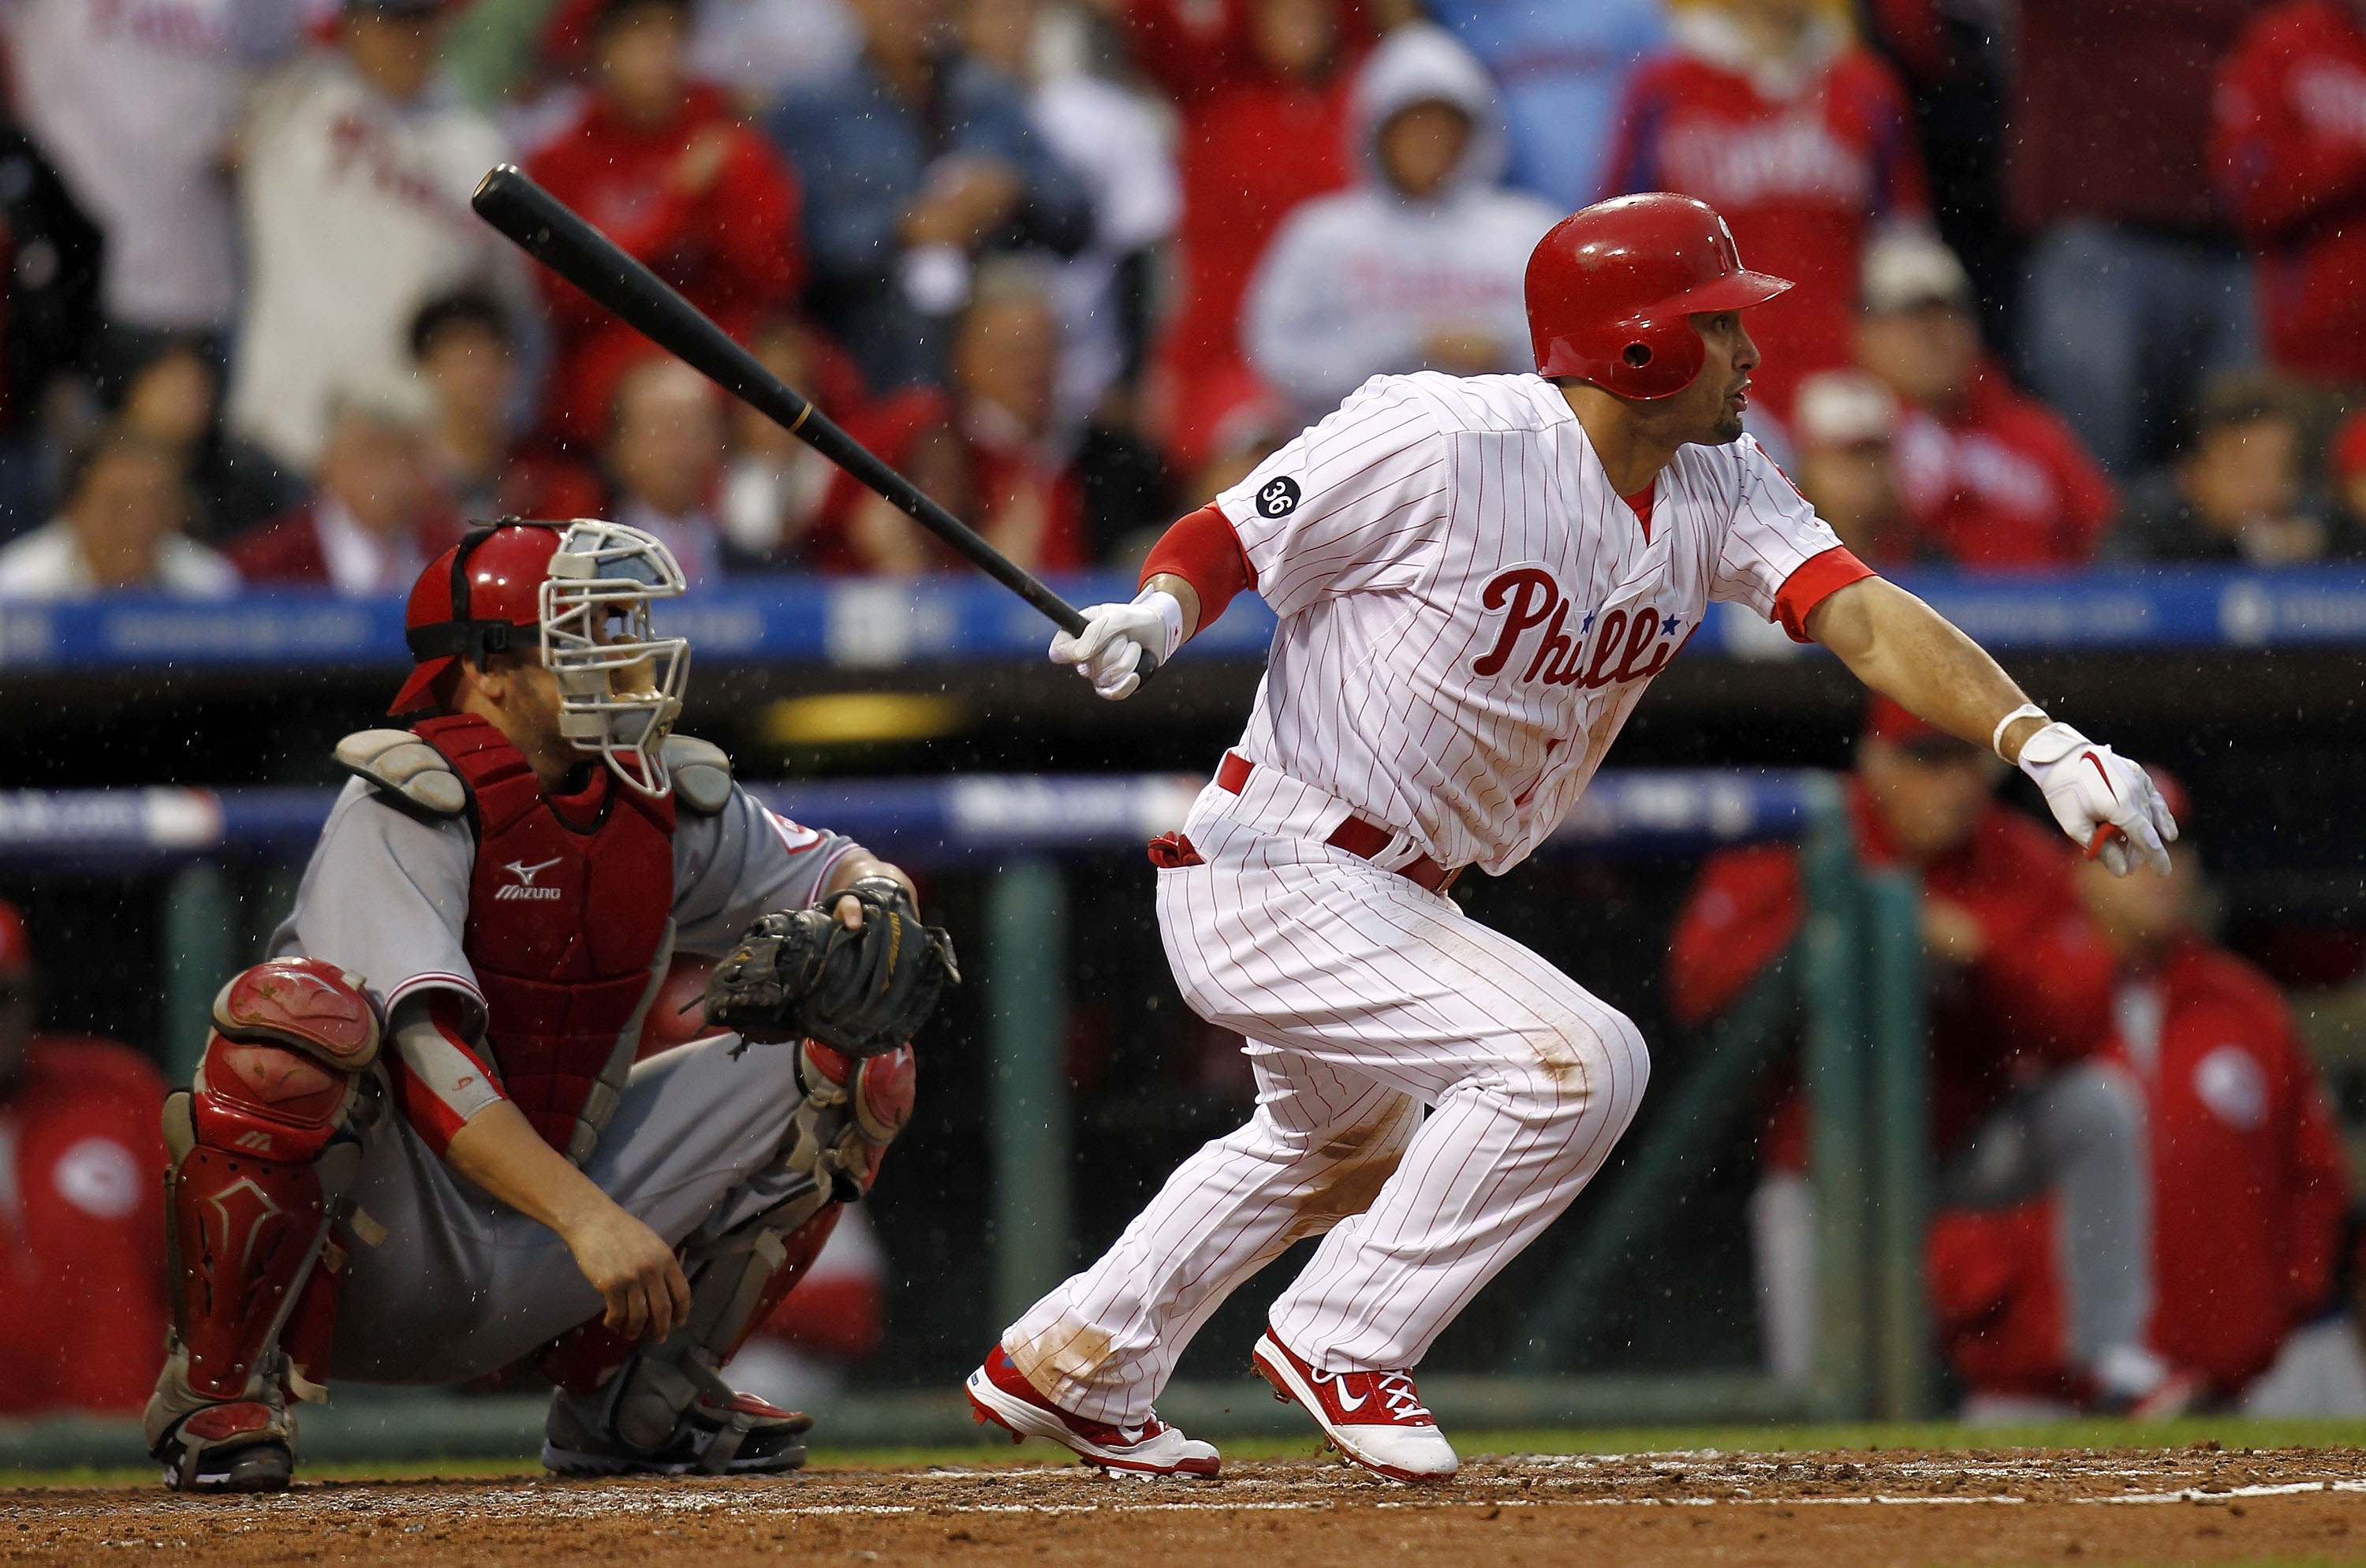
569,929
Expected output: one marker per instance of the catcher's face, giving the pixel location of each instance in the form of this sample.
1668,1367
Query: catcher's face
520,698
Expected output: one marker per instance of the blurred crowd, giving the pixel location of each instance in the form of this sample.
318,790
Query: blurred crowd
2076,282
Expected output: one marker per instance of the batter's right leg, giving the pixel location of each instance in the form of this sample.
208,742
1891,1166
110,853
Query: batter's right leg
261,1154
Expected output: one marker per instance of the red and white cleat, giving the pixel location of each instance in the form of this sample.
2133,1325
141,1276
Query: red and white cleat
1376,1418
999,1392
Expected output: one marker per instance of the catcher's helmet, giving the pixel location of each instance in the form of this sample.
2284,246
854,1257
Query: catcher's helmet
578,593
1609,289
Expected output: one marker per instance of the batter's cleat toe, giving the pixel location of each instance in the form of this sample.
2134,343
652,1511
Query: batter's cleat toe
1374,1419
1000,1393
748,1437
245,1446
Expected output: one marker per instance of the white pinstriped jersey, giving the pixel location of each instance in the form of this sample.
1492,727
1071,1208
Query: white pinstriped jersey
1470,612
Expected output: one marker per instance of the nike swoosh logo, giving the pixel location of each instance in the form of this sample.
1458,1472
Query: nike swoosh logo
1347,1404
2101,774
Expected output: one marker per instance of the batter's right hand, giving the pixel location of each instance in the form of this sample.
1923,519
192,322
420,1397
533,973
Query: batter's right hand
635,1272
1108,650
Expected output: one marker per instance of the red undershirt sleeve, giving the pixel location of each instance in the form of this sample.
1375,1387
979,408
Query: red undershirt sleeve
1816,580
1203,551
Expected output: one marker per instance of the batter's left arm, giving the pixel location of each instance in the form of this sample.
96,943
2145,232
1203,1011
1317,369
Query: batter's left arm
1909,653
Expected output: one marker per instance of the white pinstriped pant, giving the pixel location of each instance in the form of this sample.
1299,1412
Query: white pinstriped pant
1363,999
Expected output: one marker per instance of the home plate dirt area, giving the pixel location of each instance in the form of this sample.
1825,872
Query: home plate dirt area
1828,1510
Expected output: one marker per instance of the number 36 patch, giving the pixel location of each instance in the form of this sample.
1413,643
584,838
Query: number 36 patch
1279,497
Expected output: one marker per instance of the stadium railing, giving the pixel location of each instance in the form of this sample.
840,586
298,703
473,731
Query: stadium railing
880,623
1851,980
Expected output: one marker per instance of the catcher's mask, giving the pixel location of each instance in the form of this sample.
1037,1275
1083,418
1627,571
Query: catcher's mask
580,591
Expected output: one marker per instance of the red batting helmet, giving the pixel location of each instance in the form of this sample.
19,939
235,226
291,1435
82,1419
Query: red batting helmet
1609,289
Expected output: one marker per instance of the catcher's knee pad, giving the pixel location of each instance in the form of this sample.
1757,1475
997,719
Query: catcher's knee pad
258,1162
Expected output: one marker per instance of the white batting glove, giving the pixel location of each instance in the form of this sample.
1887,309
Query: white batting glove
2102,799
1110,649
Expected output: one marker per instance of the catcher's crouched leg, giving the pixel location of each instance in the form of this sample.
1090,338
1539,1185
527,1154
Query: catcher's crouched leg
667,1410
261,1151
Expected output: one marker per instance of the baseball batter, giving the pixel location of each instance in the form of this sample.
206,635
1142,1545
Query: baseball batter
418,1149
1475,581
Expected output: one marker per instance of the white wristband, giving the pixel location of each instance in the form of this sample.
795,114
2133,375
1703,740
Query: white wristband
1170,617
2026,710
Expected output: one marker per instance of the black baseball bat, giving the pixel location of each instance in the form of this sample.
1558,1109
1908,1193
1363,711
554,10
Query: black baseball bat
546,229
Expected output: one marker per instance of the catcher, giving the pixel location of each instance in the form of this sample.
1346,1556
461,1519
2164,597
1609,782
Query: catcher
418,1149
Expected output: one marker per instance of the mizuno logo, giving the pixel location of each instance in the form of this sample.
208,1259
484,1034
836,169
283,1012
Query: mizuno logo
523,886
260,1142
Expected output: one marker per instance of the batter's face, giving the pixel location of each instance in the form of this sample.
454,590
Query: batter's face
1708,412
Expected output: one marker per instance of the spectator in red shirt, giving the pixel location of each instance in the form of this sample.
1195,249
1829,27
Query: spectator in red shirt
376,517
83,1153
2246,1172
2288,142
783,504
1001,465
666,168
1991,477
1262,87
1804,142
2019,1002
2136,292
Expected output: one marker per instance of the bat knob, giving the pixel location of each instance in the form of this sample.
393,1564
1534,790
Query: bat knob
1147,666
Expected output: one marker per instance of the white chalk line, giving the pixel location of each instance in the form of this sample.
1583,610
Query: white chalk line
2229,1494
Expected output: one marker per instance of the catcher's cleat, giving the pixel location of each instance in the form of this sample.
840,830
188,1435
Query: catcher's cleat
245,1446
1374,1419
1000,1393
748,1437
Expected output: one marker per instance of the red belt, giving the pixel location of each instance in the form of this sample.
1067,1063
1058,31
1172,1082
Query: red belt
1358,837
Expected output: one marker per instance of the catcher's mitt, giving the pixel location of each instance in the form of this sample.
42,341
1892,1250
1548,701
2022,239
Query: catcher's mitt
800,975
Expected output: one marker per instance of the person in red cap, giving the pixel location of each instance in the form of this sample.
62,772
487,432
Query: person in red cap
1474,579
665,167
2248,1187
85,1218
2019,1011
418,1148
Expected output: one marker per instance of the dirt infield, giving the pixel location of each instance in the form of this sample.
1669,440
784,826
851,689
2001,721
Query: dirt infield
1819,1510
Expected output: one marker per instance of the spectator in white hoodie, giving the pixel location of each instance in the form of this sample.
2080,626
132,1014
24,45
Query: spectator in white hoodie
1417,266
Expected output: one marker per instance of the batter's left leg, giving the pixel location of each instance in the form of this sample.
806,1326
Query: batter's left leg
1509,1143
